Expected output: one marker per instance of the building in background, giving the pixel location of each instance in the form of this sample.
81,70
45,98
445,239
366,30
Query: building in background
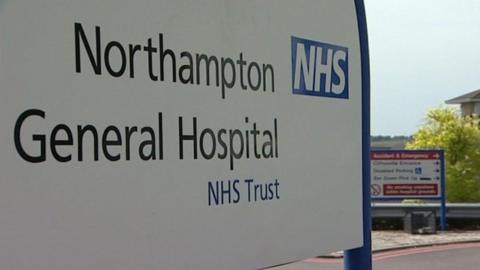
389,142
469,103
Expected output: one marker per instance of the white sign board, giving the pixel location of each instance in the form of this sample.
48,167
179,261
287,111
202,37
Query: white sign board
406,174
178,134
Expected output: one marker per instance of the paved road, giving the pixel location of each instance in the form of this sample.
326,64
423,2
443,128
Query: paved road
457,256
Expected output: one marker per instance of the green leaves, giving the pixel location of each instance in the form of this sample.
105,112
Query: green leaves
459,136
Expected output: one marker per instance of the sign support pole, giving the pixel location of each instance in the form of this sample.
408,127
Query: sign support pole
361,258
443,205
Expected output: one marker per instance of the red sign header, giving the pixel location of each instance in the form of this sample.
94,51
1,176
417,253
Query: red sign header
396,155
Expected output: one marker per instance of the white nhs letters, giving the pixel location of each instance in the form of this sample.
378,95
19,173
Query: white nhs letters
314,60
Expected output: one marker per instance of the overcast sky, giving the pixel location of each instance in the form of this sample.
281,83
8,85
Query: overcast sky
422,52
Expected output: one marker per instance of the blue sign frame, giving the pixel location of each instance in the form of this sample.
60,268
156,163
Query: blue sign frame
361,258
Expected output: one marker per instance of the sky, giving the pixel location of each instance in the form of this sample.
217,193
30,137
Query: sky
422,52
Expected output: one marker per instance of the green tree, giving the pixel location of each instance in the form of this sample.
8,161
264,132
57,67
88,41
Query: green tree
460,138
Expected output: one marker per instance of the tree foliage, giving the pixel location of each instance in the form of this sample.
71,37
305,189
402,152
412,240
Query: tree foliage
460,138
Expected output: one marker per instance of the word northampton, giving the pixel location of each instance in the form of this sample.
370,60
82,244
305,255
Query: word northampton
189,68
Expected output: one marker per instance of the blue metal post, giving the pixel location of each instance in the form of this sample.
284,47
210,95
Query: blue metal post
443,186
361,258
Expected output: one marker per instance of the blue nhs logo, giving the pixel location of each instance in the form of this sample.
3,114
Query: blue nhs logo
319,69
